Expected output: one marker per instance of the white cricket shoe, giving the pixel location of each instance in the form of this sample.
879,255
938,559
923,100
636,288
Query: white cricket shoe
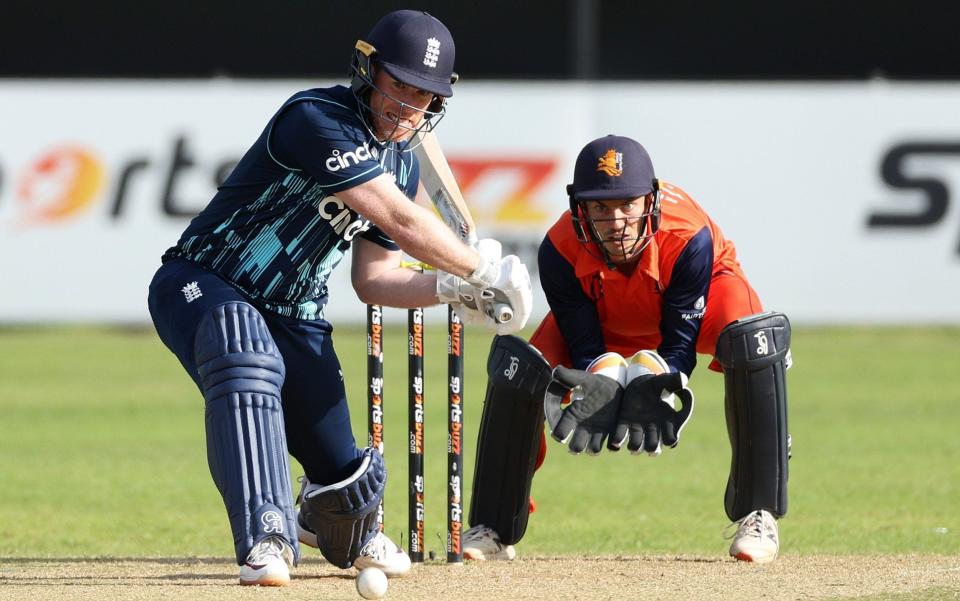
268,563
481,543
757,538
383,553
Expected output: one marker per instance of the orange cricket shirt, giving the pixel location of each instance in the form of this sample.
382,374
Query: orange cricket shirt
687,282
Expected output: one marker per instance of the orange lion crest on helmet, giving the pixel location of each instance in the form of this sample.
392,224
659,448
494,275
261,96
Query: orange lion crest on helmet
611,163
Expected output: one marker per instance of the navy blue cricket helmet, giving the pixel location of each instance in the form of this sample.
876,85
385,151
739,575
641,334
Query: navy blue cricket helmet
614,168
415,48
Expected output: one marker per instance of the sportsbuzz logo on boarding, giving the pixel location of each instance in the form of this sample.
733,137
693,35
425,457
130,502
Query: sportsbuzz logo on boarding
58,185
68,182
913,169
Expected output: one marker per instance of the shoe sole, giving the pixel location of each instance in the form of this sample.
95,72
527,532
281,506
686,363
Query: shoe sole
260,576
390,572
743,556
476,555
266,582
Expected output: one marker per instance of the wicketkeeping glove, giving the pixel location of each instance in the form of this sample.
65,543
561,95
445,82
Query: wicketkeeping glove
581,407
648,416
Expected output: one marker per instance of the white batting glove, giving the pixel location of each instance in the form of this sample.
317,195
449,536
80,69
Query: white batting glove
470,315
488,270
504,306
454,289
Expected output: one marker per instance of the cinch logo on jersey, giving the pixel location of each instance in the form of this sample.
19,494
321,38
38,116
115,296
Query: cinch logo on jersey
342,160
341,219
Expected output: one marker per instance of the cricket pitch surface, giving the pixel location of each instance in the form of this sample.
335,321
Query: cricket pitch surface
661,578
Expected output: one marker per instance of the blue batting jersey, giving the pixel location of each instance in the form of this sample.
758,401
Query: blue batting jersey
274,229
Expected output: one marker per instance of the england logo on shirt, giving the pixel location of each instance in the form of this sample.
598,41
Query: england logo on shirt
191,292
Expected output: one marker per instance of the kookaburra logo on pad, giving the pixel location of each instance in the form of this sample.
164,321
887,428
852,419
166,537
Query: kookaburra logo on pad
762,346
512,370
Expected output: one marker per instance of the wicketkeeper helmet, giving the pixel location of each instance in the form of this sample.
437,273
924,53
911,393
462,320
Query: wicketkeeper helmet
613,168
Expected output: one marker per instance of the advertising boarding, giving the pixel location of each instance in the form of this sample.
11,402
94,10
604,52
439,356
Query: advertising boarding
842,198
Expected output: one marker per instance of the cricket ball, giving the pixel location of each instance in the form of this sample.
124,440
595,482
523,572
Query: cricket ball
372,583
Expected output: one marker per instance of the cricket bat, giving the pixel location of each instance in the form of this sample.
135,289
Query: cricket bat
441,186
444,192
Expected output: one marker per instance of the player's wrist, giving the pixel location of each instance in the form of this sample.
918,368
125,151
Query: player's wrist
486,273
448,287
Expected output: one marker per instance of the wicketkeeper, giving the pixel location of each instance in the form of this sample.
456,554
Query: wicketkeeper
634,265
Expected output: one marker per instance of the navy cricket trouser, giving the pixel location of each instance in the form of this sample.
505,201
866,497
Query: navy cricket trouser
315,411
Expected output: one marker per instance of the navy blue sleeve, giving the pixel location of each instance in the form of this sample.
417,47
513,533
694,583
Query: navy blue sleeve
575,312
413,180
409,169
685,301
324,142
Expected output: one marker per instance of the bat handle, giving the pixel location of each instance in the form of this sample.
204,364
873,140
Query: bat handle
499,312
502,313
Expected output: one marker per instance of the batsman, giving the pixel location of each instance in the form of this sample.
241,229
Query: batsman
639,280
240,299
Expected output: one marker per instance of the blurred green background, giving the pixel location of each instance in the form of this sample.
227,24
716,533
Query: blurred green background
102,440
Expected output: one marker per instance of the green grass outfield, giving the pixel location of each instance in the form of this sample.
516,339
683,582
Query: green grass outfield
102,447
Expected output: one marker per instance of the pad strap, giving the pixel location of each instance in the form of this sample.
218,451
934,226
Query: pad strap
344,515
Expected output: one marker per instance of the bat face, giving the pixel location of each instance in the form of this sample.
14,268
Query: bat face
454,218
441,186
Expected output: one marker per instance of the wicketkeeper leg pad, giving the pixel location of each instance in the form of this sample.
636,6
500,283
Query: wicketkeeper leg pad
754,353
344,515
241,373
509,439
